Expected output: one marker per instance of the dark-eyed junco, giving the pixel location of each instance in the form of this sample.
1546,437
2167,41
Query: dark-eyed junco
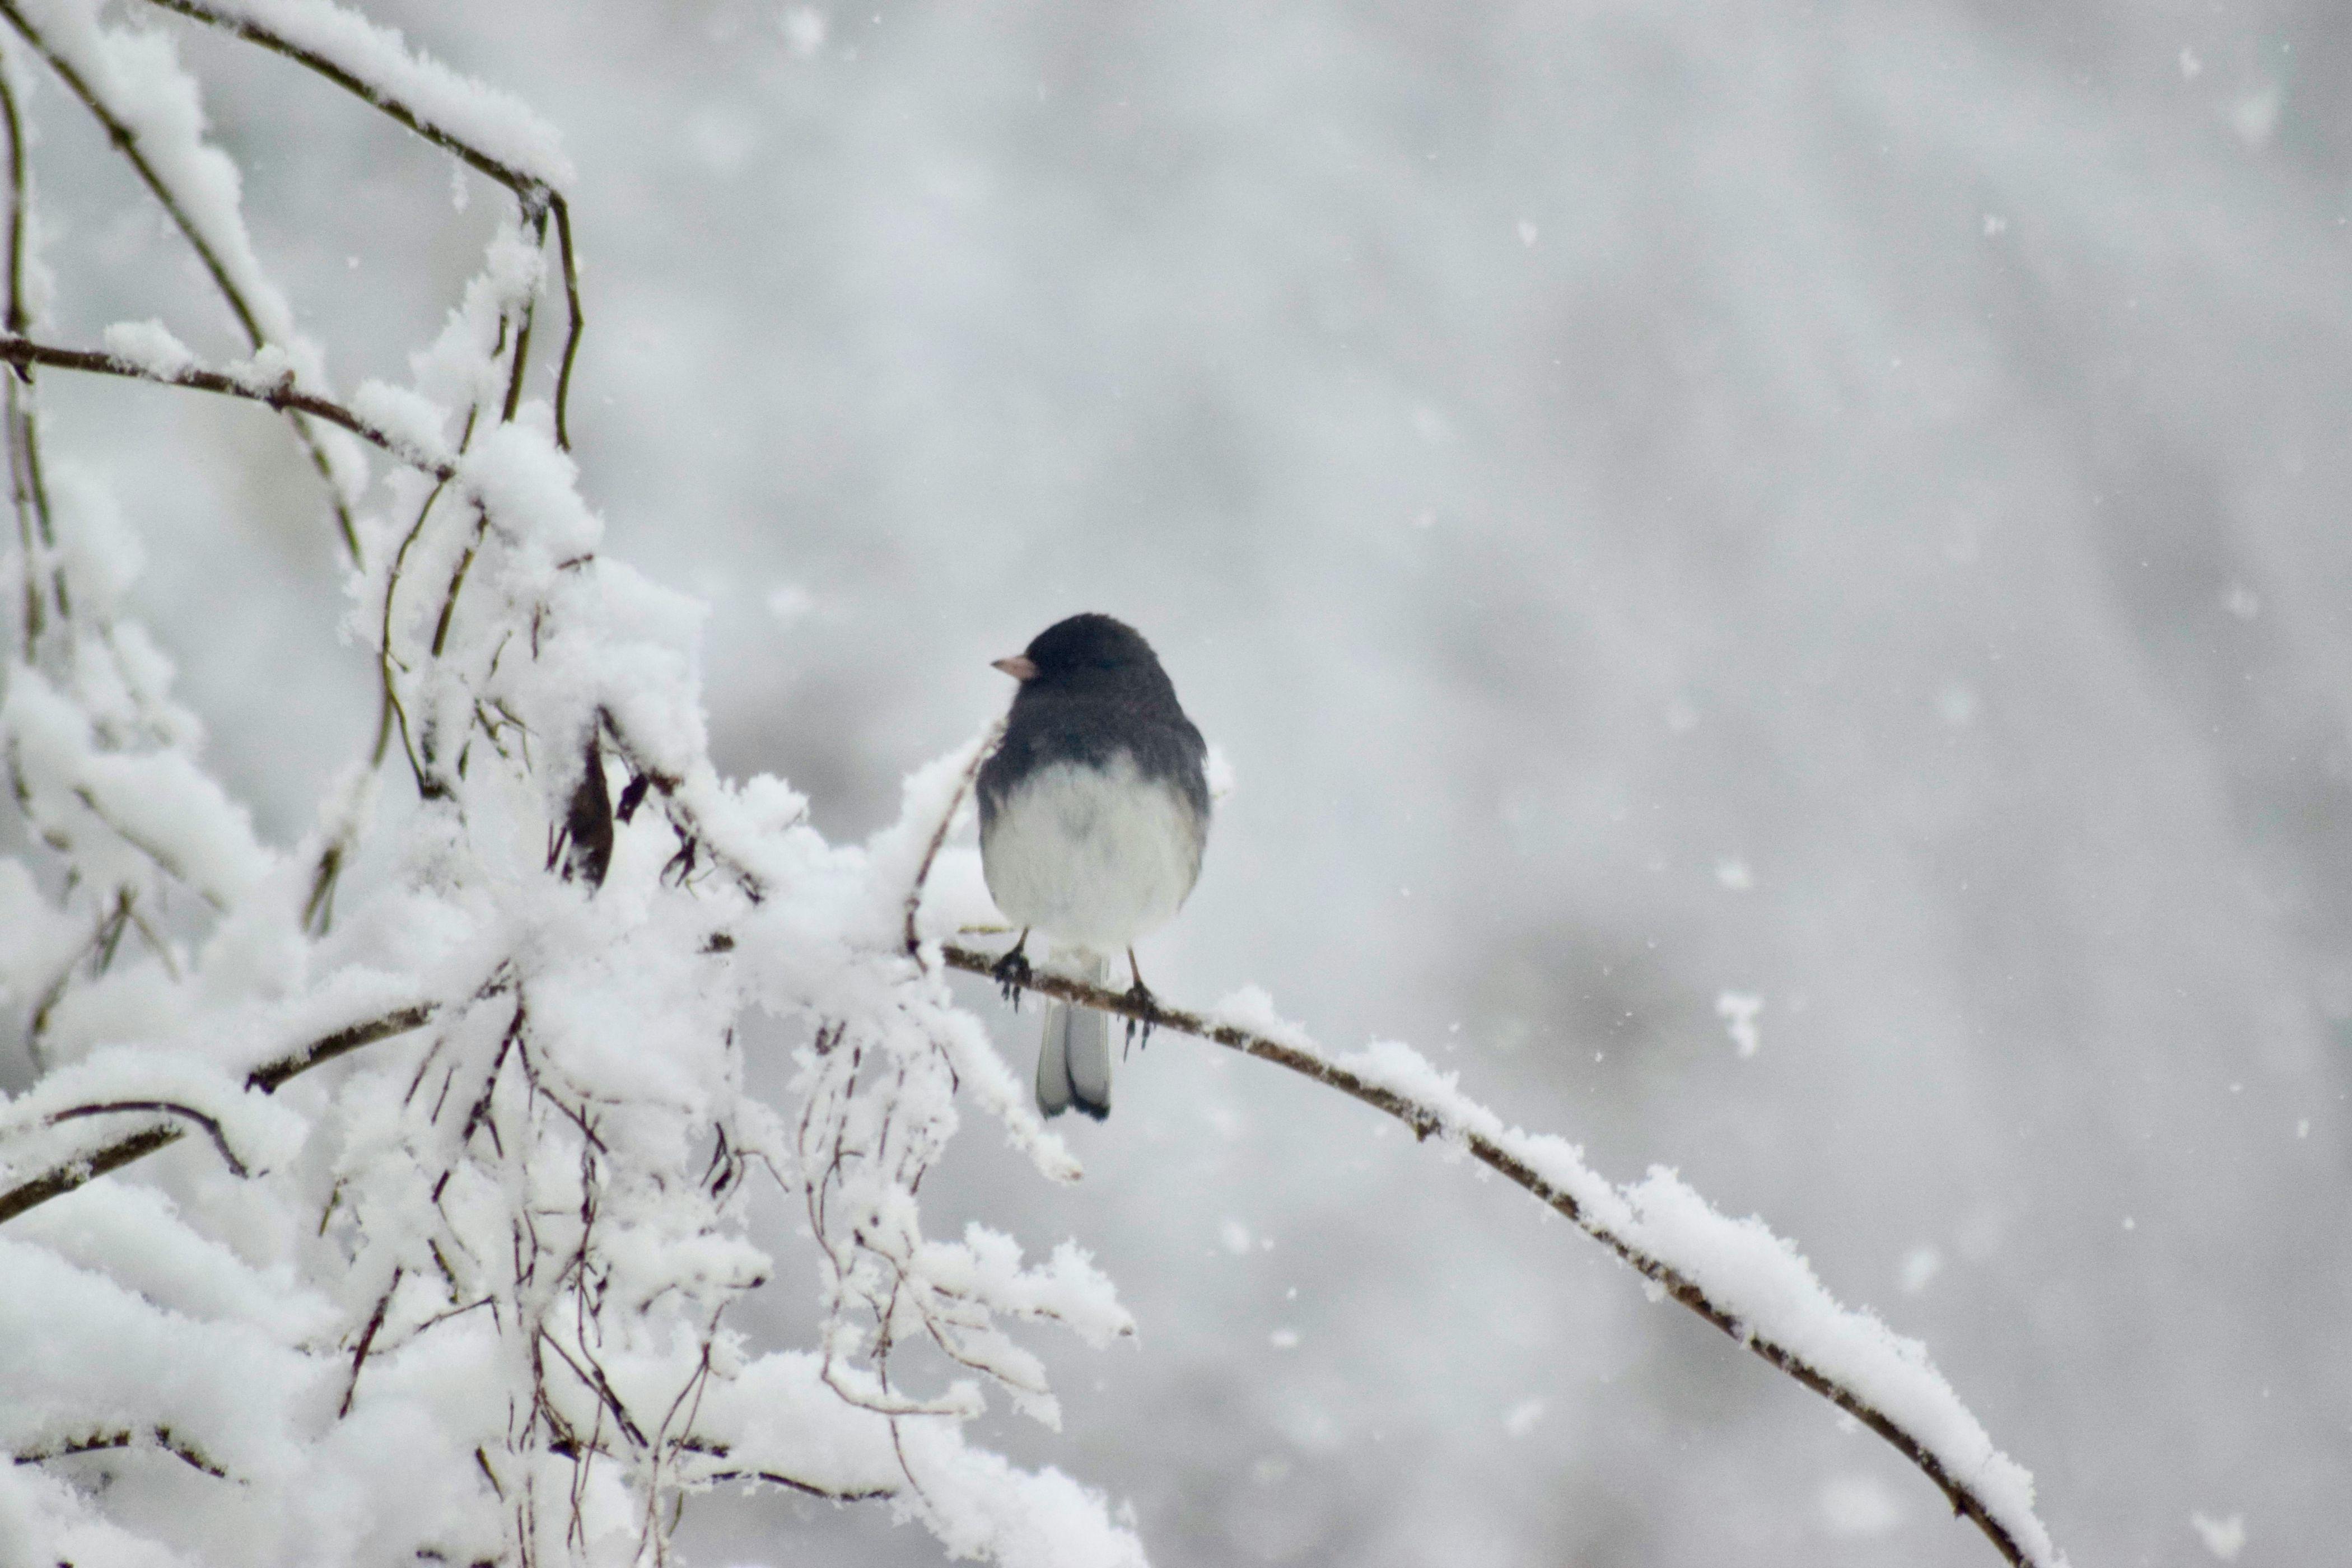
1093,812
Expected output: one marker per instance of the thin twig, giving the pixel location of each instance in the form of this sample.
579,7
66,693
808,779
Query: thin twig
342,1042
571,305
946,819
806,1488
28,490
157,1438
280,393
367,1339
161,1108
534,218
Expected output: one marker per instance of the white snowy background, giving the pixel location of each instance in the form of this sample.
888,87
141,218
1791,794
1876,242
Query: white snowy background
1776,583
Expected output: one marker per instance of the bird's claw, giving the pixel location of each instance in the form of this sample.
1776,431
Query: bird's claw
1011,974
1138,1023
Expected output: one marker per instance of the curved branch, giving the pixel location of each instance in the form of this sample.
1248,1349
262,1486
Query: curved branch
63,1179
981,753
535,192
126,139
211,1125
29,490
281,394
376,95
1425,1119
572,307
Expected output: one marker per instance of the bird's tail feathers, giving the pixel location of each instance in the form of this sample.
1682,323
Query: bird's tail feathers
1074,1058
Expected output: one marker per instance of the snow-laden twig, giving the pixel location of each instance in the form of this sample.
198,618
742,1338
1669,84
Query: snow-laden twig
271,390
160,1438
488,131
86,1165
1734,1273
149,110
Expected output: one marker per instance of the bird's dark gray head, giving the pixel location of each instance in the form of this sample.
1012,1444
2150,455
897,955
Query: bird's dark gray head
1086,652
1088,642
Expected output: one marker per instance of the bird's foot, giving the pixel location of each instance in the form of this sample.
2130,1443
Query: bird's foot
1012,973
1138,1023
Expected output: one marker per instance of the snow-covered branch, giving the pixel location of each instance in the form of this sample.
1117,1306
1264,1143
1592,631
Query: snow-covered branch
131,85
1736,1274
489,131
269,384
84,1164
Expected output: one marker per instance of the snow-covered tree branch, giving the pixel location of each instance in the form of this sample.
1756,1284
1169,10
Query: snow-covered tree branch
467,1177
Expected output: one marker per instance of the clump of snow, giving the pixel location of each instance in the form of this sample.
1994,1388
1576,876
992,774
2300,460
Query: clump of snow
487,118
407,416
132,809
151,346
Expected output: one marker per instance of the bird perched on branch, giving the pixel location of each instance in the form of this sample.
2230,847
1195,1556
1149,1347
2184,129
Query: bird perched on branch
1093,814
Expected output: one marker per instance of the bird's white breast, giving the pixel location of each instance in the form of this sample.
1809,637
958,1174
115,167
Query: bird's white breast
1093,857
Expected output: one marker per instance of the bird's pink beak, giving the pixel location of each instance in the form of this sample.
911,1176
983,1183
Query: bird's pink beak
1018,667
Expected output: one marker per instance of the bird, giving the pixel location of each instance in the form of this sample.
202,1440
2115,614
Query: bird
1094,812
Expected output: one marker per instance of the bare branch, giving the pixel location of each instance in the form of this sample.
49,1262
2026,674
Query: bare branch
579,322
64,1179
367,1338
342,1042
806,1488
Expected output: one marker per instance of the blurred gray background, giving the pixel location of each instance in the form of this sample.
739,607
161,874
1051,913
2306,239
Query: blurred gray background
1842,505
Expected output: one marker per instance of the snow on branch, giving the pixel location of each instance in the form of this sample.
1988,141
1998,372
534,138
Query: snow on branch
1736,1274
71,1096
148,356
489,130
132,84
